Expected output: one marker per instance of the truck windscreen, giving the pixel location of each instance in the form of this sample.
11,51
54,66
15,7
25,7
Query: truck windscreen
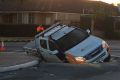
71,39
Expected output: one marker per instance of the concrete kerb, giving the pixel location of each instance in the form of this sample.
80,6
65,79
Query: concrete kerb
28,64
20,66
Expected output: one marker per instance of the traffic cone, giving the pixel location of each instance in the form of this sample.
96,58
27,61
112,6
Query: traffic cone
2,47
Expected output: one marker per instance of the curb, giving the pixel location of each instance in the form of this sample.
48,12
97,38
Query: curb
20,66
29,64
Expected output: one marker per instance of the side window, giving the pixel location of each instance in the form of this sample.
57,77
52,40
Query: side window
52,46
43,44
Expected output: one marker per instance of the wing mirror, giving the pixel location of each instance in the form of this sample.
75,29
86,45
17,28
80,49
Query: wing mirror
88,31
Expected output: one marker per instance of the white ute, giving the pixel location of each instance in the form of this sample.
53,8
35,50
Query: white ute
61,43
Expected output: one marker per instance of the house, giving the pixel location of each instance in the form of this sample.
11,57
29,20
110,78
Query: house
30,13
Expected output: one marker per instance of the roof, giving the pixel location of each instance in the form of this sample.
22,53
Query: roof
48,5
52,30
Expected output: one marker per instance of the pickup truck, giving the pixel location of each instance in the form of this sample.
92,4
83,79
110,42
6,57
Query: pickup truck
68,44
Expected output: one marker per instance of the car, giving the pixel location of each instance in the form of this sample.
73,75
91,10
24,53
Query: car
69,44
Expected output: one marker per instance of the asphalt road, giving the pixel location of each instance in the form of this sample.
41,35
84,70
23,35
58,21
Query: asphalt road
115,47
55,71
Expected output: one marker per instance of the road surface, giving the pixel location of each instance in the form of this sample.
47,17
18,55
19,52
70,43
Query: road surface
55,71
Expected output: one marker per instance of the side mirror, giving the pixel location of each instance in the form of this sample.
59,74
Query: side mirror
88,31
54,52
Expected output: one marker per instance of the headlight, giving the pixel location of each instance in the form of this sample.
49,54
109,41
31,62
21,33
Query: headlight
80,59
105,45
74,60
70,58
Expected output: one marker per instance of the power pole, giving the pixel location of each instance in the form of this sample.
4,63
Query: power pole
92,25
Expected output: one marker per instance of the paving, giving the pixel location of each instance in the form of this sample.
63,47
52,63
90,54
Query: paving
16,60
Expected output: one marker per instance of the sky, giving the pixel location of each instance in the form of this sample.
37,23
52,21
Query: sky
115,2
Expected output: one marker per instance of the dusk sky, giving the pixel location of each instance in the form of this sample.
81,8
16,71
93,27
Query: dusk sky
115,2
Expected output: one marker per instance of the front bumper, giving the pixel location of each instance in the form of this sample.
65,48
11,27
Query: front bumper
99,58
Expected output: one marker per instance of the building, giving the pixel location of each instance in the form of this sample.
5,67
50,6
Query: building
30,13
